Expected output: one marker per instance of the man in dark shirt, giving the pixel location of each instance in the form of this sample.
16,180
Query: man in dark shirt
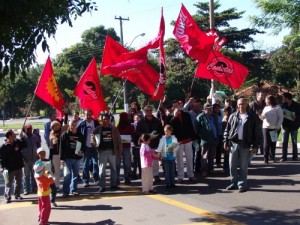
11,164
71,153
290,125
106,140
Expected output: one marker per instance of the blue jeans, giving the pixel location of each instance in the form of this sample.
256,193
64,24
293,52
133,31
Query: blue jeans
239,154
104,157
169,169
90,154
71,176
285,140
126,155
29,180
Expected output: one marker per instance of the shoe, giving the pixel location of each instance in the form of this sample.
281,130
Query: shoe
54,204
266,162
8,200
86,185
114,188
74,193
146,193
157,179
179,180
242,189
102,189
118,182
282,160
231,187
204,174
127,181
64,195
152,191
18,197
26,193
192,179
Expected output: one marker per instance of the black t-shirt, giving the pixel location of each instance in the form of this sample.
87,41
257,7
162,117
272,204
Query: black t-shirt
106,139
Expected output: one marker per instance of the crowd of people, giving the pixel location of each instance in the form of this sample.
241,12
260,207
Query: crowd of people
194,136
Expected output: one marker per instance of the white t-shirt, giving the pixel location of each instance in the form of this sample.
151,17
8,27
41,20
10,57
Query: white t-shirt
89,129
242,120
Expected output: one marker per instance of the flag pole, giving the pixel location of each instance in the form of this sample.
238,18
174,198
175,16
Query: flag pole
212,26
116,98
29,108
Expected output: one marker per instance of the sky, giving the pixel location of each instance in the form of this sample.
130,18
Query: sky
144,17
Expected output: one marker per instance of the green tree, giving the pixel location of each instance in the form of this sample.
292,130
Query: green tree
26,24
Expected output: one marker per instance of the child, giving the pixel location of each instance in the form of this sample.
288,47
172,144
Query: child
48,166
168,145
146,154
43,180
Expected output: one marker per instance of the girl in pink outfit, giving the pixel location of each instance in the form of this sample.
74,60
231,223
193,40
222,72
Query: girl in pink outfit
146,154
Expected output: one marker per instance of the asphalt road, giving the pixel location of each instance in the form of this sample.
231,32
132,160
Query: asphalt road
273,198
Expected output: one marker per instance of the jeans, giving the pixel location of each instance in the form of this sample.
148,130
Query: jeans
71,176
90,153
16,176
136,161
104,157
29,181
285,140
126,156
169,168
239,154
208,154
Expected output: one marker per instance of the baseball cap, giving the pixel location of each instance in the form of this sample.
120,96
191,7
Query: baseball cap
40,149
207,106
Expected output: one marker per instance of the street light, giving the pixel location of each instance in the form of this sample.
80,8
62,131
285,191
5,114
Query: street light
142,35
125,81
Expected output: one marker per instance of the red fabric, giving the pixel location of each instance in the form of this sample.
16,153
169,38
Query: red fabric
89,91
196,43
223,69
219,41
48,90
119,62
44,209
160,89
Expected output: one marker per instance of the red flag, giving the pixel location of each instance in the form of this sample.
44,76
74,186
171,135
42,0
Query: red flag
160,89
219,40
223,69
48,90
196,43
88,90
121,63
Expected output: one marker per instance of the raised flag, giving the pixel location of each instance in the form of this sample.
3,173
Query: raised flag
223,69
196,43
89,91
48,90
160,89
219,40
121,63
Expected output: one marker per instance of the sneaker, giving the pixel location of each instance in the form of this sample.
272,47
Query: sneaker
86,185
152,191
64,195
114,187
54,204
157,179
26,193
8,200
193,179
74,193
282,160
231,187
146,193
242,189
101,189
179,180
18,197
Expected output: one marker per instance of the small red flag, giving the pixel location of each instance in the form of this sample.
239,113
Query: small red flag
196,43
48,90
223,69
89,91
160,89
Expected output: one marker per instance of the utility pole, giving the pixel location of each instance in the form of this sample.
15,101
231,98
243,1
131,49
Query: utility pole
122,43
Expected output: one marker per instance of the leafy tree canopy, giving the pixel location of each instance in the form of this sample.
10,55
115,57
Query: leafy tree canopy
26,24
